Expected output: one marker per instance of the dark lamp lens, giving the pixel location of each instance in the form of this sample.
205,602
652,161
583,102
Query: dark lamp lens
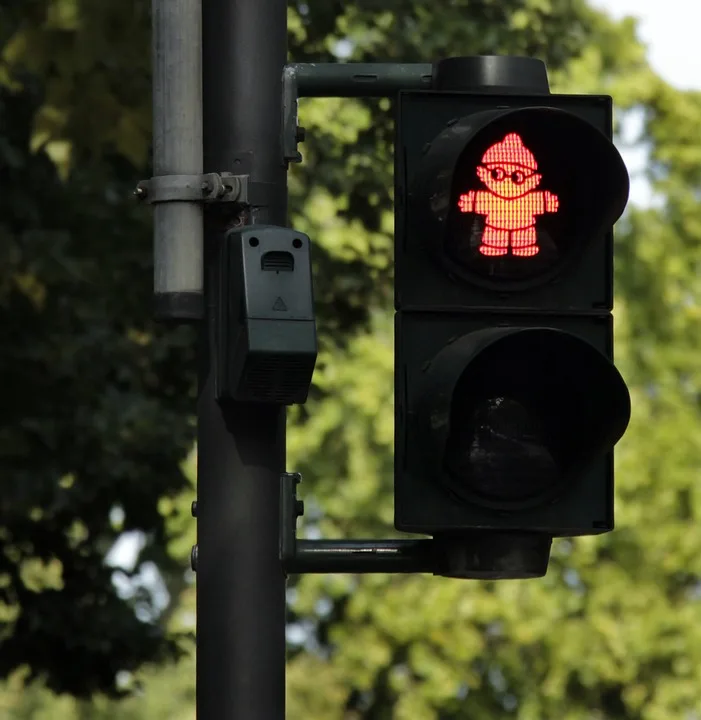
518,414
500,452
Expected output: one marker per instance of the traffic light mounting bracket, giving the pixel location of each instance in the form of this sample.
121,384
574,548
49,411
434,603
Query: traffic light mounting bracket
386,80
342,80
465,556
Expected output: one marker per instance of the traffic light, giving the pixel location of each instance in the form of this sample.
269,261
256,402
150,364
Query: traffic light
507,401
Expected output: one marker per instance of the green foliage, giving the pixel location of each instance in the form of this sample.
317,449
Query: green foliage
84,373
98,401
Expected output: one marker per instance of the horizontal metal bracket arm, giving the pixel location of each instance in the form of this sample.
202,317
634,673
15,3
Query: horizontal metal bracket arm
209,187
362,556
343,80
491,555
334,556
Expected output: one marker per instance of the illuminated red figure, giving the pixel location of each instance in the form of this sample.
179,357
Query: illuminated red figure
511,201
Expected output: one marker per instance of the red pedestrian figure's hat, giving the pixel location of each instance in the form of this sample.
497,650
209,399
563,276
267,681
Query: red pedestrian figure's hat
510,150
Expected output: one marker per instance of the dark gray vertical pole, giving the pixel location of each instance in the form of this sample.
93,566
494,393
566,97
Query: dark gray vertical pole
240,582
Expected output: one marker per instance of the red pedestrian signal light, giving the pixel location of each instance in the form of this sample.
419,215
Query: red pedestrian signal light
511,201
496,187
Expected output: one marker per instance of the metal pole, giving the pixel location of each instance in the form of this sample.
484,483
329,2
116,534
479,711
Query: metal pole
240,580
177,150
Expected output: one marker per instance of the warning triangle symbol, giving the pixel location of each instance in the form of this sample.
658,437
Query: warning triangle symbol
279,305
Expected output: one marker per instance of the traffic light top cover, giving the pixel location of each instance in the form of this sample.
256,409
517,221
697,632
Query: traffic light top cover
511,195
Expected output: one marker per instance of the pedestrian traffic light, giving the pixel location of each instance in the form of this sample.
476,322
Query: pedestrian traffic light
507,401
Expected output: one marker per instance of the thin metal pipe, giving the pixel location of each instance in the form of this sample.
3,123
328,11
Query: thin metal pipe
177,150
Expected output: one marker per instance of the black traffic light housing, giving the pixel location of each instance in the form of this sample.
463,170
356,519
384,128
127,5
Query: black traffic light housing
507,402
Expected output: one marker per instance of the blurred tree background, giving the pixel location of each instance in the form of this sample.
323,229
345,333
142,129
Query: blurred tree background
96,426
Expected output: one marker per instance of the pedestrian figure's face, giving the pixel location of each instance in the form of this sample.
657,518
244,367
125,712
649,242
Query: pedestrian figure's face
508,180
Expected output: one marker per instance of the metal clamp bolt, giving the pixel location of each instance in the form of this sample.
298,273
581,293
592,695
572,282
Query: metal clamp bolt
210,187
